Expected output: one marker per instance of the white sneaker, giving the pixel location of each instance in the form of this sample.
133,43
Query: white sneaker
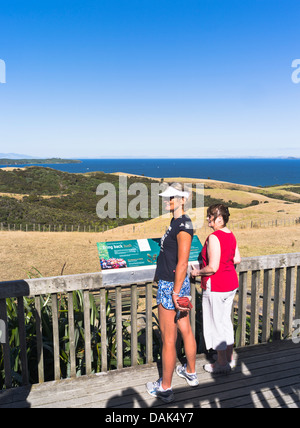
191,378
155,390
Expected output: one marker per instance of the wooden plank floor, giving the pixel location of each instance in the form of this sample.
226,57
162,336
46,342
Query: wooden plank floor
266,376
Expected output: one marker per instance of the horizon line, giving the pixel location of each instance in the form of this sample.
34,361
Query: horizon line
150,157
206,157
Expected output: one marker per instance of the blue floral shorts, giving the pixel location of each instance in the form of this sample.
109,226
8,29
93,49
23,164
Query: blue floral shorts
165,290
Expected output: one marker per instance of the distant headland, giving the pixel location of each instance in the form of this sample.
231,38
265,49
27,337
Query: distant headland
6,161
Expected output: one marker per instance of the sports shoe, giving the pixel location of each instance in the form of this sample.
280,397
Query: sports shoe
155,390
191,378
216,368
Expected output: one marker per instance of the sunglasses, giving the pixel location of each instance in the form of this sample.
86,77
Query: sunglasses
210,216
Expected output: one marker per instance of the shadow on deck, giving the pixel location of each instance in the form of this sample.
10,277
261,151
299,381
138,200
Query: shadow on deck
266,376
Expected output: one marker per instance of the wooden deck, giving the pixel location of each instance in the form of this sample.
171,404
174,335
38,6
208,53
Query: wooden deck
266,375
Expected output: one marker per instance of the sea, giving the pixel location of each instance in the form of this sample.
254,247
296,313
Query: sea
254,172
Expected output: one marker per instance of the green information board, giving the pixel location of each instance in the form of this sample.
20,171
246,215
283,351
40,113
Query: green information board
136,253
196,247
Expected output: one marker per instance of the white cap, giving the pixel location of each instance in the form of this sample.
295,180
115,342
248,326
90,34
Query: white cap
171,191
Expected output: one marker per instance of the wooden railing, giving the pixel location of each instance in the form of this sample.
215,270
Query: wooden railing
274,280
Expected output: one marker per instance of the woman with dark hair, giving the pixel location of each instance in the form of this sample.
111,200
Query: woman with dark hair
219,282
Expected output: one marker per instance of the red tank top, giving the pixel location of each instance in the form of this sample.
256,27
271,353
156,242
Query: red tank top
225,279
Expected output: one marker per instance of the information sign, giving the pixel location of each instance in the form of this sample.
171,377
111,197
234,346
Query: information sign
136,253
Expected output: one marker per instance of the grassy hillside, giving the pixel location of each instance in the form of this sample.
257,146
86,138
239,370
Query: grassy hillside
46,196
38,195
6,161
42,194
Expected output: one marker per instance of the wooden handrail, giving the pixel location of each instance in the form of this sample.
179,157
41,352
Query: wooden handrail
266,271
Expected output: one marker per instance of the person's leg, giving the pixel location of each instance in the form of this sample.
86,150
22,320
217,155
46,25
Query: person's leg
228,326
218,333
217,336
222,331
229,353
189,341
168,329
222,313
207,317
222,358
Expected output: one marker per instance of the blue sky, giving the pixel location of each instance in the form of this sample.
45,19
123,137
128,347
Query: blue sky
150,78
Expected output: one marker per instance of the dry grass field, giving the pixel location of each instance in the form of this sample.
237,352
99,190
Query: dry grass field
49,252
54,253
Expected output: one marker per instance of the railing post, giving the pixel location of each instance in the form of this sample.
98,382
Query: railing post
55,336
242,309
87,332
289,301
278,304
5,345
133,320
297,310
149,329
71,334
39,338
103,329
266,318
255,280
119,332
22,338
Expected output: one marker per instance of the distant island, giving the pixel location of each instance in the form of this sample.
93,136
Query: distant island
6,161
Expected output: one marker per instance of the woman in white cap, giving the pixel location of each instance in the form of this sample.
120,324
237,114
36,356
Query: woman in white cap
173,282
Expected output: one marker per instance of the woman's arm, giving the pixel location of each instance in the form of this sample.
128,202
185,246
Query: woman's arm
184,240
214,256
237,257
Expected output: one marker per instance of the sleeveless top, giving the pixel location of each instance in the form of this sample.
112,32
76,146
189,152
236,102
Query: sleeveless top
225,279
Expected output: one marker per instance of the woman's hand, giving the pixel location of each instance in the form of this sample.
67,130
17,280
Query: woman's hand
175,298
195,272
177,306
